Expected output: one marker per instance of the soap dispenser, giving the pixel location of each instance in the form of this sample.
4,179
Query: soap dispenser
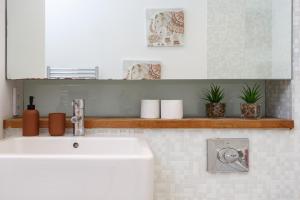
31,119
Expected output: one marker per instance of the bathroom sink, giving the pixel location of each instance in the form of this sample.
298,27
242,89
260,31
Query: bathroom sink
77,168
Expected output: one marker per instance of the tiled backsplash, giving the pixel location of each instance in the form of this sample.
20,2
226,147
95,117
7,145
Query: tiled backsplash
122,98
279,99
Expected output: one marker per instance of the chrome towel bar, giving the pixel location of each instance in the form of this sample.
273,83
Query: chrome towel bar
72,73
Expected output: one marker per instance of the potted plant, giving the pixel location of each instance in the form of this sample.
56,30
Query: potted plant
251,95
213,97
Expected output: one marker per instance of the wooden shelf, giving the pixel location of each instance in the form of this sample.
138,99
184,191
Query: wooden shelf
94,122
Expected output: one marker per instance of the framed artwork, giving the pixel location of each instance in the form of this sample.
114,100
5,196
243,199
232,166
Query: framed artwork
142,70
165,27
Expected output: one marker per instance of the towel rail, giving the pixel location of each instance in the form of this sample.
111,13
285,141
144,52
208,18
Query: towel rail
72,73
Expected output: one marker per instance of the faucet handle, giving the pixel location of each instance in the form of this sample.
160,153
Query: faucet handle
79,103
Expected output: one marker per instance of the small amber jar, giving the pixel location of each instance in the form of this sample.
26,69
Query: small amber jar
56,124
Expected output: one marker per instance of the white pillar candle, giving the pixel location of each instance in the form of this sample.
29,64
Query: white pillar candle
150,109
171,109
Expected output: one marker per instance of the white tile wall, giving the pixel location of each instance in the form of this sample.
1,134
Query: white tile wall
180,164
279,99
180,157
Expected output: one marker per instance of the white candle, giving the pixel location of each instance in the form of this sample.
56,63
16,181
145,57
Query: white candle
171,109
150,109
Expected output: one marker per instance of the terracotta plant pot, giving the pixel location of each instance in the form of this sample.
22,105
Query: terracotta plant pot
215,110
250,110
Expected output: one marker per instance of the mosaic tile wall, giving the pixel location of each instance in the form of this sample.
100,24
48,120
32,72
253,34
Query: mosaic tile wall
180,165
180,156
279,99
296,65
249,43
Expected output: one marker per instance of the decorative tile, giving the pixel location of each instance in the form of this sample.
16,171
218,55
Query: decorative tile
142,70
165,27
279,99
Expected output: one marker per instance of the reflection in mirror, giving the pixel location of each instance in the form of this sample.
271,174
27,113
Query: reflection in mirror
192,39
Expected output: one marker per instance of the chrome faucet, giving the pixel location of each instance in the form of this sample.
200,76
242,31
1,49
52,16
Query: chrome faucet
78,117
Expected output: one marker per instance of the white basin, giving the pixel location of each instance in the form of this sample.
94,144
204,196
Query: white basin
101,168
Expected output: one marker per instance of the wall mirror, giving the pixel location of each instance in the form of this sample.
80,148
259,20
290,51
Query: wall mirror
149,39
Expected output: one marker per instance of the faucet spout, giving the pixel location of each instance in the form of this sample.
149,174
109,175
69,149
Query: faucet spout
78,117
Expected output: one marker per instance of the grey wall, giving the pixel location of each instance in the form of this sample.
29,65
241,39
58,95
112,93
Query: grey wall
122,98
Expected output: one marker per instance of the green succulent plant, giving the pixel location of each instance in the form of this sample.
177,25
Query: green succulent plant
214,95
251,94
